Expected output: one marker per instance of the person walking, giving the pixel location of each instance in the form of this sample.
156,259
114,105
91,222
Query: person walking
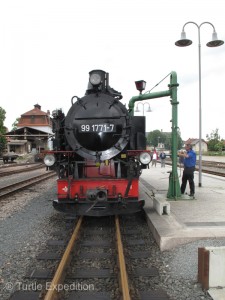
154,158
148,165
189,168
162,159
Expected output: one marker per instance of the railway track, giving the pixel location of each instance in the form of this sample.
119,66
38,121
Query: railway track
213,172
213,164
20,169
108,244
213,168
15,187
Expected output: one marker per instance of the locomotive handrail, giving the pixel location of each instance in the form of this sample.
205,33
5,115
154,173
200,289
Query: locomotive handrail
73,98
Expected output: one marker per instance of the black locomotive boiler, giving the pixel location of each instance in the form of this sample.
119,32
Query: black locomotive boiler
99,150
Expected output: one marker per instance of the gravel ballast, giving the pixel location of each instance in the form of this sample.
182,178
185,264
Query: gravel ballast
22,232
25,230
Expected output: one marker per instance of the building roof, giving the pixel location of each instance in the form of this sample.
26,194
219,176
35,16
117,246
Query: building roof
193,141
36,111
30,132
35,118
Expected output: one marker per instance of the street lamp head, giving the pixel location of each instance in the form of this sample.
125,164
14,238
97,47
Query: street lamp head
183,42
215,42
149,107
137,110
143,106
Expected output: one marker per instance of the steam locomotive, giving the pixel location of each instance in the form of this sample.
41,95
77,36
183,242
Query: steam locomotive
99,151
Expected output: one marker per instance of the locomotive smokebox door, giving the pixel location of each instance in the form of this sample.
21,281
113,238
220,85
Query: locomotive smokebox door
97,127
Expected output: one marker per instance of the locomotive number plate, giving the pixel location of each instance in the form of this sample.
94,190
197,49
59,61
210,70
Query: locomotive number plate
97,128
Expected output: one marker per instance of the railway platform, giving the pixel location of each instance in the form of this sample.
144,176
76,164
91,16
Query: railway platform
184,220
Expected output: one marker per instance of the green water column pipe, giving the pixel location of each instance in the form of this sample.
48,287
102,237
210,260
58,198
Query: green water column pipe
174,191
174,186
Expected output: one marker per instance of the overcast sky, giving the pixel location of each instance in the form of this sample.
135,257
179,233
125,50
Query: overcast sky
47,49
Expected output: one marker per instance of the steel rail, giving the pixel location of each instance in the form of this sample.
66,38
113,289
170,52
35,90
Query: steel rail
204,170
15,165
122,265
12,188
27,169
216,173
58,277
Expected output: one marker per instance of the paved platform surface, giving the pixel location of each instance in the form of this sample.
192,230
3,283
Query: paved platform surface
189,219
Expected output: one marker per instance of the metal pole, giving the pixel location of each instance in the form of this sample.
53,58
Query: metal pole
200,112
200,100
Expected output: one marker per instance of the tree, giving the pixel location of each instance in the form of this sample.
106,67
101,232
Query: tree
2,117
156,136
219,146
214,143
214,135
2,130
14,125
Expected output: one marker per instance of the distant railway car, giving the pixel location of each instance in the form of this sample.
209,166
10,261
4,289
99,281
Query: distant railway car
9,157
99,151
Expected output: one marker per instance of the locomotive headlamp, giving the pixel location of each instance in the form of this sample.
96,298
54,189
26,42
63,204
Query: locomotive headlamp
95,79
145,158
49,160
140,85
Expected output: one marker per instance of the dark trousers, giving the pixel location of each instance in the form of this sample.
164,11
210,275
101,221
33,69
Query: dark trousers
188,175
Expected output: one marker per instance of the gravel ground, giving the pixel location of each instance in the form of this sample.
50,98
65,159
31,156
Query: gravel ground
180,268
23,232
6,180
177,268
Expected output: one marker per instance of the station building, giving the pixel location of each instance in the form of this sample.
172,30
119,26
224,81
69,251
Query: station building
33,133
195,144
